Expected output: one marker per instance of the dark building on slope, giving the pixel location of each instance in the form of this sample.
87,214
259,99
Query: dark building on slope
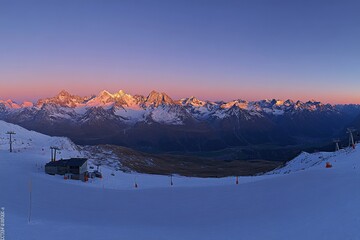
75,168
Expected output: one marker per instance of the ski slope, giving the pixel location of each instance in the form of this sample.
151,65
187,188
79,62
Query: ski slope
303,200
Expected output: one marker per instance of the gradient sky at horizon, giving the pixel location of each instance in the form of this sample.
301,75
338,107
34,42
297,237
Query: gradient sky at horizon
210,49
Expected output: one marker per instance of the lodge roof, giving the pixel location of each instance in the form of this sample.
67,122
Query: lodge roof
72,162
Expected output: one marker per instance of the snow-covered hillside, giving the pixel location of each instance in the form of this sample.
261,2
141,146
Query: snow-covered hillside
30,142
303,200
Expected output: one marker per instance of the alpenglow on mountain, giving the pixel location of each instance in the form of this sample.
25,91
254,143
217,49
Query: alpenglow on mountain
159,123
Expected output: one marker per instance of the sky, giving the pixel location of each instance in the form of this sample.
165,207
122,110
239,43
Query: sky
214,50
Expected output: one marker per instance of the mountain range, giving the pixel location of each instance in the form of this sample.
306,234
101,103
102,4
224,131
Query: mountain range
157,123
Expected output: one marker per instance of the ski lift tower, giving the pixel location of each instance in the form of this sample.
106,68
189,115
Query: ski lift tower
350,131
53,153
10,133
337,147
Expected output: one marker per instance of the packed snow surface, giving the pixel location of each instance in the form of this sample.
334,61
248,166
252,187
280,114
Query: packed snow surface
303,200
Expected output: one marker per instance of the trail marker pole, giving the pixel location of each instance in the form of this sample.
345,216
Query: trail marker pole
30,200
135,185
351,137
337,147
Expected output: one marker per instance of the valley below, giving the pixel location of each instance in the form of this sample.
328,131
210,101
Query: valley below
183,165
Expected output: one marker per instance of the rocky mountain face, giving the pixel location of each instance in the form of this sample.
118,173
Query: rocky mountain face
159,123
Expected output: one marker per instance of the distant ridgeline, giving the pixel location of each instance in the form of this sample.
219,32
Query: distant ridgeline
266,129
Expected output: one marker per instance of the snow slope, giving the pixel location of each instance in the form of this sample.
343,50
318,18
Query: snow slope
304,200
35,143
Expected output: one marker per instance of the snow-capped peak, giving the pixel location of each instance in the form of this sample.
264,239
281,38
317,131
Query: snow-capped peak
10,104
63,99
155,99
193,101
238,103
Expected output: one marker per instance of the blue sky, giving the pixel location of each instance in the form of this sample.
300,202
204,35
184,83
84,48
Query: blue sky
210,49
